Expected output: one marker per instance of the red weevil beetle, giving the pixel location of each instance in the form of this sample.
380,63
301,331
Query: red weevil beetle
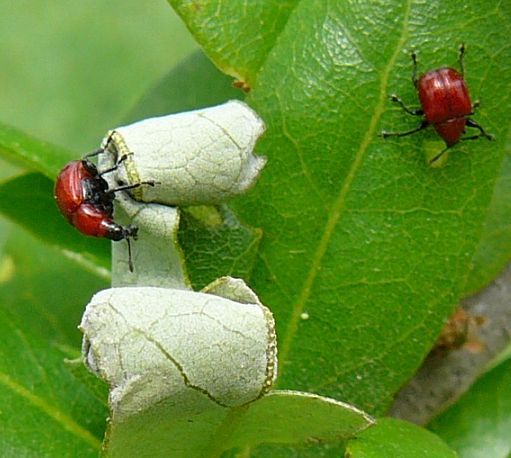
84,198
445,103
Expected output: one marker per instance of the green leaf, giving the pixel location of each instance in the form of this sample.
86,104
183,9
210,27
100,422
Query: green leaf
31,153
394,438
478,425
237,37
216,244
43,291
28,201
494,249
282,417
287,417
360,235
45,412
72,94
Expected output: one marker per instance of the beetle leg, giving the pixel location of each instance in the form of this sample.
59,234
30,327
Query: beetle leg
475,125
415,112
439,155
421,126
475,137
462,55
130,186
130,231
111,169
115,167
414,69
472,137
96,152
130,260
475,105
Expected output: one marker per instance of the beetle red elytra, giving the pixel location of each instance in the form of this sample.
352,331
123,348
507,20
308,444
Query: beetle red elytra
445,104
85,199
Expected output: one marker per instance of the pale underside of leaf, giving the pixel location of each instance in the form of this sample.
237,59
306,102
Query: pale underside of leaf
282,417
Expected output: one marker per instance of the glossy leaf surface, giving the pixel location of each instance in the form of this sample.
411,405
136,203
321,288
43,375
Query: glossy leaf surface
360,235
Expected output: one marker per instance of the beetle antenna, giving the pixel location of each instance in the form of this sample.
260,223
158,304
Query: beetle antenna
462,55
99,151
414,69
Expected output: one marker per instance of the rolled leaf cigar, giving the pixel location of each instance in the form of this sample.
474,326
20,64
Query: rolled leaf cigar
197,351
197,157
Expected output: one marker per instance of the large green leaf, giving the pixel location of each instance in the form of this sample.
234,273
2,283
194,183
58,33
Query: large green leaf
238,35
360,235
39,394
478,425
46,410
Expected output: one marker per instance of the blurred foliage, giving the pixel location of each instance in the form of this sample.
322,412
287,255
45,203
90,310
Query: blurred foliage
71,69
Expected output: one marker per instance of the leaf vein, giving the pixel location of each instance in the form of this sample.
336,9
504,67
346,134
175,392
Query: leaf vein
67,422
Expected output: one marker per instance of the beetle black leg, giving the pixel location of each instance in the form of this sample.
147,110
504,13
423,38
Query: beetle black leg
130,186
414,69
462,55
111,169
415,112
475,125
421,126
472,137
130,260
475,105
115,167
94,153
439,155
